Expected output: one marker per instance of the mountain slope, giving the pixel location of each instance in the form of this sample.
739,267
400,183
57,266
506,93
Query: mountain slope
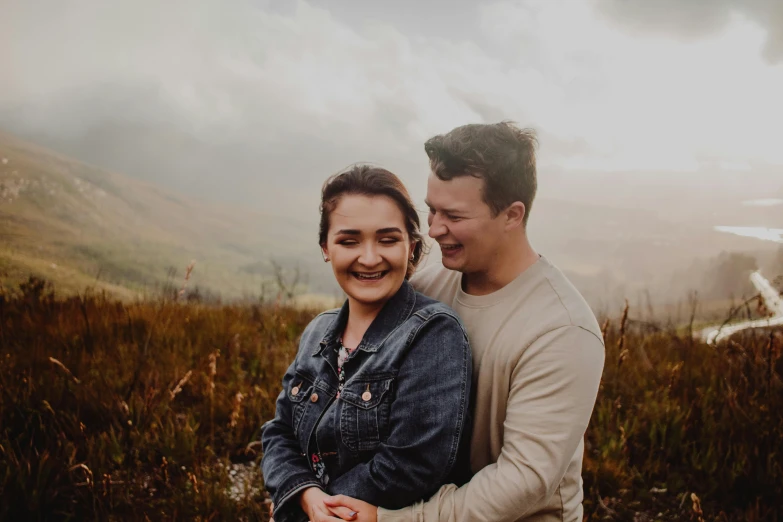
78,225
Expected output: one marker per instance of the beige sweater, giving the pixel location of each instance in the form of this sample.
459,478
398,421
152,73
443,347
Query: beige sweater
538,356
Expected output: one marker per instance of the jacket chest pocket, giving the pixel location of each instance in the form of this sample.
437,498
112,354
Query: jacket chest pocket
299,391
364,421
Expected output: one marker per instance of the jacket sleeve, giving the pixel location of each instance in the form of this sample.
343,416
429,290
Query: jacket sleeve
553,391
285,469
428,420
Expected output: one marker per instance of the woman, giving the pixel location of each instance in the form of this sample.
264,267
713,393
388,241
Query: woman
375,405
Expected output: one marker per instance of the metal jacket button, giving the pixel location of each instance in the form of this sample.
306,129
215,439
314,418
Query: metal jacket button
314,397
366,396
294,390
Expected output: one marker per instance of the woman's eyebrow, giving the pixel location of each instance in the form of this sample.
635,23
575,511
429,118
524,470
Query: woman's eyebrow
388,230
349,232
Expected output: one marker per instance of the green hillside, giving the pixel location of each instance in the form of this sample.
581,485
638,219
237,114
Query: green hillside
80,226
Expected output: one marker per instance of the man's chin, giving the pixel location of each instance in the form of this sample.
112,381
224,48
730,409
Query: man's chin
452,263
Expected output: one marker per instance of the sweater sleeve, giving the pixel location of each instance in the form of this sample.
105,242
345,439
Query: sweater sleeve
552,395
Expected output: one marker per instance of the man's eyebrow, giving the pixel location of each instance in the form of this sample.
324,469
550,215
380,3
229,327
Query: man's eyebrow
445,210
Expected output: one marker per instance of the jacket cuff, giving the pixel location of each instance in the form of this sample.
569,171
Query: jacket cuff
287,508
405,514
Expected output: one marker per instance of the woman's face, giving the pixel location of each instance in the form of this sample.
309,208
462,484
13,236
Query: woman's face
369,248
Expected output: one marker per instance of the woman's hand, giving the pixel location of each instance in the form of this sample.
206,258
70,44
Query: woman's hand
363,512
312,502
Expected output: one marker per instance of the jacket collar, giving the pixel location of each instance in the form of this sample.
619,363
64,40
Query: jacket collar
393,313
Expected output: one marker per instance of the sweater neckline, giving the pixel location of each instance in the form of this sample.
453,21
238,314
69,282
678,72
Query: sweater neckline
508,291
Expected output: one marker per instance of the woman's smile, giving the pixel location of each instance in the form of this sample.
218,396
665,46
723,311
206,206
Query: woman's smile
369,248
370,277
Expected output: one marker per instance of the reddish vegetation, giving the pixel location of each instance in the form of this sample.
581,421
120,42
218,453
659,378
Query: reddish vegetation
127,411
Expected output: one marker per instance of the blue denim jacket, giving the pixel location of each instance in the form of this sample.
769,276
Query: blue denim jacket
396,444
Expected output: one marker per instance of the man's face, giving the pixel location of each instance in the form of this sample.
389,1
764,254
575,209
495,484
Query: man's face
462,223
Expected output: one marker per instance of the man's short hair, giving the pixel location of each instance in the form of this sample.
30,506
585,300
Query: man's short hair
501,154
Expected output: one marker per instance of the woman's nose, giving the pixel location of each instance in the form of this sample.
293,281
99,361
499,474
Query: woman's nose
369,255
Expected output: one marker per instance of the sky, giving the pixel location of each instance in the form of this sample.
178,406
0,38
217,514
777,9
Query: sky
258,101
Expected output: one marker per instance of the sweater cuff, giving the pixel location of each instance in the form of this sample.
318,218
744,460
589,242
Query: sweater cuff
396,515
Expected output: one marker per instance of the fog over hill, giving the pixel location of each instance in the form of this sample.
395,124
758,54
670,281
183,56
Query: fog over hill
81,226
249,106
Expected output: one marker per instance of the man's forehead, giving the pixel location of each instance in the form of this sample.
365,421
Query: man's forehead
463,192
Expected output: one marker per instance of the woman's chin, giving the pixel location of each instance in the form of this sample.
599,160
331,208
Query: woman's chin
369,298
371,295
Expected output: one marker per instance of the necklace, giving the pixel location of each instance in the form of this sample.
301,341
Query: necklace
342,355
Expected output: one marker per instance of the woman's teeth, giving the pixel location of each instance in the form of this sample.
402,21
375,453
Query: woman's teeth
374,275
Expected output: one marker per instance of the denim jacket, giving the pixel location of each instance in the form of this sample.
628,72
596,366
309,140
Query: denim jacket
402,421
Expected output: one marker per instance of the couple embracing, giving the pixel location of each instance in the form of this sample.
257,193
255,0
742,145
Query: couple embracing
460,392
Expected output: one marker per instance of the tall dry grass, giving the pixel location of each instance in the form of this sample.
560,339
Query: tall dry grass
683,430
134,411
113,411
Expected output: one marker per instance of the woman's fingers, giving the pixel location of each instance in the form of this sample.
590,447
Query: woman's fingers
323,515
343,501
362,510
343,512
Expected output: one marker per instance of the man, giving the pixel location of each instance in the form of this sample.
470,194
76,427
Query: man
537,349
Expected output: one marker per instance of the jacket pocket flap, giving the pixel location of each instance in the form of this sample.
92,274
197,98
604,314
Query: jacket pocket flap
300,387
365,394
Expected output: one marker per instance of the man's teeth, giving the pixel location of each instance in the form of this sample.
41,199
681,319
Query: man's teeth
376,275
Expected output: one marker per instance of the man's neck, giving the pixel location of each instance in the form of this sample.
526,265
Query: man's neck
507,266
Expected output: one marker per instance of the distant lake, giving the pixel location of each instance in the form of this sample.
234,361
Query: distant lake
767,234
768,202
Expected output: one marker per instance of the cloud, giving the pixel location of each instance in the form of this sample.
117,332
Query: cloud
695,19
259,101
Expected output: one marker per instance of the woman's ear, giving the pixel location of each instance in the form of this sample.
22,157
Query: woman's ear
325,252
515,215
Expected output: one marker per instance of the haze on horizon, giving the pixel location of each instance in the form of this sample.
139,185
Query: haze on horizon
258,101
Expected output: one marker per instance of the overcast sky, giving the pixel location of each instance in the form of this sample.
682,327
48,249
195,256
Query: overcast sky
261,100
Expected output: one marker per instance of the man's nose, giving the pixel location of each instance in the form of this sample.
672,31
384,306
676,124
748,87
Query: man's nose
437,227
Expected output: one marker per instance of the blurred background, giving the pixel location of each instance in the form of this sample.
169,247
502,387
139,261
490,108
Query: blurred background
160,172
137,137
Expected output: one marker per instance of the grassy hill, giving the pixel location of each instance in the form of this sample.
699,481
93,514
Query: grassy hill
80,226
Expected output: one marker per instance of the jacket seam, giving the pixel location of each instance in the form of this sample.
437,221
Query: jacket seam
426,320
296,489
403,318
463,385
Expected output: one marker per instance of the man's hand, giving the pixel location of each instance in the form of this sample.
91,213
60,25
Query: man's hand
312,502
363,511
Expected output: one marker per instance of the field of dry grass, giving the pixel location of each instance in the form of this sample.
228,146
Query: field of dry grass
116,410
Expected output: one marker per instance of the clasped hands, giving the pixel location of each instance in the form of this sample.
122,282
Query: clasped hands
321,507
